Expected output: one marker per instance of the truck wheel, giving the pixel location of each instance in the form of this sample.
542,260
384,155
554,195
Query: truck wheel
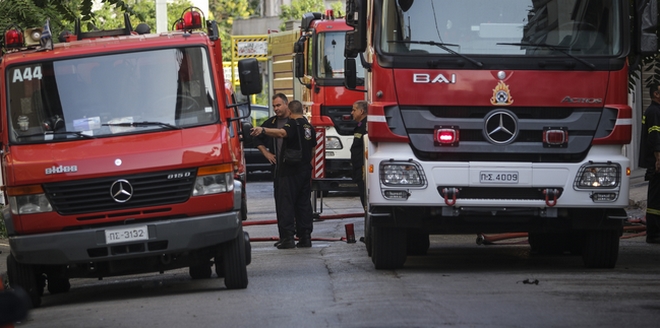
417,243
24,275
219,263
601,249
200,271
58,285
234,262
244,209
368,234
389,248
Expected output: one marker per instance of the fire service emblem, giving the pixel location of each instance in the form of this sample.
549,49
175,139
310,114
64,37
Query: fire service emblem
501,95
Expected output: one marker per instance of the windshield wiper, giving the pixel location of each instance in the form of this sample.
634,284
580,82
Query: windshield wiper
561,49
443,46
143,124
75,133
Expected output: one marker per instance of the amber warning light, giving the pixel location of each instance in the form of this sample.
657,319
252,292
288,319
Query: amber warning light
446,136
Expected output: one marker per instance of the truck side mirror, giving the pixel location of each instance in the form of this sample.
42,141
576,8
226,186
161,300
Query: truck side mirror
299,63
356,17
647,24
350,73
248,73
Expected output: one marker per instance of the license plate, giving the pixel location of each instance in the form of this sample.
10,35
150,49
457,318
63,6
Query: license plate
499,177
113,236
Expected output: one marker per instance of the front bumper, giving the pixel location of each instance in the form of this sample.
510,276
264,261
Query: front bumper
165,237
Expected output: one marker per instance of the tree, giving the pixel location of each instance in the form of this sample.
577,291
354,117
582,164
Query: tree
225,12
298,8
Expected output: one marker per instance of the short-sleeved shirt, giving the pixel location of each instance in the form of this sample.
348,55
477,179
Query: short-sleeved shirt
307,135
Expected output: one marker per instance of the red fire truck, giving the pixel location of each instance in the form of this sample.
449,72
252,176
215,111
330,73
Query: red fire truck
119,156
497,116
319,66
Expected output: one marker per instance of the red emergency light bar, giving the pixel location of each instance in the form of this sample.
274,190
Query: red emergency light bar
329,14
14,37
446,136
191,19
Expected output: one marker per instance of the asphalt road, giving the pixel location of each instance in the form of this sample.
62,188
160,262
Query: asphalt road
334,284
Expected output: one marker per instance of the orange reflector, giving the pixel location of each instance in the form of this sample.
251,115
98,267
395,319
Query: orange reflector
216,169
25,190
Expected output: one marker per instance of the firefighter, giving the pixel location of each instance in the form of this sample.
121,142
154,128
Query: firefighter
649,158
294,185
359,114
269,147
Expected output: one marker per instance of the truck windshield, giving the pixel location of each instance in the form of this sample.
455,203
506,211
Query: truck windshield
331,56
502,27
103,96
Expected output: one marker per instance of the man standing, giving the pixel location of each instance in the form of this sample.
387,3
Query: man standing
270,147
649,158
359,114
294,185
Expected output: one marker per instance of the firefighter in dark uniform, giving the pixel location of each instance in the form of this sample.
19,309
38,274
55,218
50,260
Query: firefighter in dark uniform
270,147
649,158
294,185
359,114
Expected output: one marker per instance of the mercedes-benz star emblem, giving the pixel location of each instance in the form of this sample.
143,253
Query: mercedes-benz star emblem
501,127
121,191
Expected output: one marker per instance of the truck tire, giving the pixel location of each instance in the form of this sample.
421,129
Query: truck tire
389,248
234,260
601,248
417,243
368,234
25,276
200,271
58,285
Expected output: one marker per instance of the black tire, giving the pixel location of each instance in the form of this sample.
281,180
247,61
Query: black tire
601,248
417,243
389,248
219,264
25,276
244,209
58,285
200,271
368,233
234,262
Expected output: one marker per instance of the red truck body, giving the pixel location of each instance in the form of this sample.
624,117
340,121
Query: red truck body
122,154
329,102
490,116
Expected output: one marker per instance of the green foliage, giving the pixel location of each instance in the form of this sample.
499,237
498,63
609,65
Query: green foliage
144,11
298,8
33,13
225,12
339,8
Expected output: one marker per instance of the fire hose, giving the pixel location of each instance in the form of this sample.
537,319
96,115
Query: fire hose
638,226
349,232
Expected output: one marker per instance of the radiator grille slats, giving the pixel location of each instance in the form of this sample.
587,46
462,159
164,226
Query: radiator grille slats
94,195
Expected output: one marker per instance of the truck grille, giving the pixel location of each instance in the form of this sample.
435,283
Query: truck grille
94,195
583,124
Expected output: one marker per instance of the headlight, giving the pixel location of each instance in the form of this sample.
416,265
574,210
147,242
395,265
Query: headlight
214,180
332,143
214,184
401,174
29,204
598,176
